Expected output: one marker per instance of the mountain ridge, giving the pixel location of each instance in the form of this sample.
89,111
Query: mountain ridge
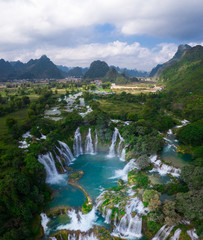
156,71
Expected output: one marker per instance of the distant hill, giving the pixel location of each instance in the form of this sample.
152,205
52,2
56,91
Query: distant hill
114,77
98,69
6,69
39,68
75,72
63,68
186,75
156,72
131,72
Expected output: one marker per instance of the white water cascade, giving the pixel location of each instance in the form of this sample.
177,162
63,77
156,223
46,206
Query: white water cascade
77,145
163,233
66,152
52,174
79,221
123,174
176,235
130,227
192,234
59,159
95,143
44,222
89,149
87,237
122,157
112,150
162,168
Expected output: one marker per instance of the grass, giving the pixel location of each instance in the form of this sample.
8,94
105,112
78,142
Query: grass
117,107
19,115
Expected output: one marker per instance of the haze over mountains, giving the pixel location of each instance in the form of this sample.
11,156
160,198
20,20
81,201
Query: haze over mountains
44,68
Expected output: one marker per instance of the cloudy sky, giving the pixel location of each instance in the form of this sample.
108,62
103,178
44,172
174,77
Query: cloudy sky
127,33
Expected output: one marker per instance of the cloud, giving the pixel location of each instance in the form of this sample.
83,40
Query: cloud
115,53
75,32
24,21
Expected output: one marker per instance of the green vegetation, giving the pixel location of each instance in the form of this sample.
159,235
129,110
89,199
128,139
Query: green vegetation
97,69
138,179
23,192
87,207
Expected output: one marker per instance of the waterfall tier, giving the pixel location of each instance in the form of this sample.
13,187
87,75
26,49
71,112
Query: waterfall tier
89,149
80,221
123,174
95,143
49,164
44,222
163,233
65,151
77,145
120,151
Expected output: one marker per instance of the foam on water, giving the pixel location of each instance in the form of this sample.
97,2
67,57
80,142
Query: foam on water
79,221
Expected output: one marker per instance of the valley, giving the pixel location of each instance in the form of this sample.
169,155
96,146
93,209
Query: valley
117,160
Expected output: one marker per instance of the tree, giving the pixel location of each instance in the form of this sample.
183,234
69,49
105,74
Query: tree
143,161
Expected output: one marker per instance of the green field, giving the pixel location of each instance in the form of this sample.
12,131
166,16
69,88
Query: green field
117,107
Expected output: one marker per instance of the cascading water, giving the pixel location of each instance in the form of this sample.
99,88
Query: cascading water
79,221
192,234
119,145
52,174
176,234
89,149
122,157
129,226
66,152
59,159
163,233
108,216
44,222
96,143
162,168
123,174
77,145
112,151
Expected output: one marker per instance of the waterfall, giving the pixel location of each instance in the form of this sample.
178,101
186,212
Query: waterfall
162,168
112,149
122,157
108,216
66,152
163,233
176,234
119,145
72,237
77,145
130,227
95,144
123,174
89,149
80,221
192,234
44,222
87,237
48,161
59,159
